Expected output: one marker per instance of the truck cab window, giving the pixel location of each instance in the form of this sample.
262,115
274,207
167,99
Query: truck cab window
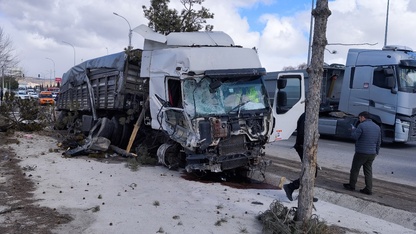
384,77
174,93
289,95
407,79
234,95
379,78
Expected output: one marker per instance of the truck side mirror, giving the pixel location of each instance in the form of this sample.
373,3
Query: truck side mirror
281,99
391,83
281,83
388,72
281,96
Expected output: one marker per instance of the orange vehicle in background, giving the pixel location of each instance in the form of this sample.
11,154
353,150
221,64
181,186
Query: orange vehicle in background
45,98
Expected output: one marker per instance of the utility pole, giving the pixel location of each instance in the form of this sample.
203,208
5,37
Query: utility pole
310,36
387,23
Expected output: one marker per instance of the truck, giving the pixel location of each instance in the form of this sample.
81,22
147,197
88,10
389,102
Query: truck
22,87
190,99
380,81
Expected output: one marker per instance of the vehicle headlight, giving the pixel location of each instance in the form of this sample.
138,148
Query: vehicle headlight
404,124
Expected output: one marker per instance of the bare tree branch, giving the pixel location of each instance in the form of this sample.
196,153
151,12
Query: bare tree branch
7,58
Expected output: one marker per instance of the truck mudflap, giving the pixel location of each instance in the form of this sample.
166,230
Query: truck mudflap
97,140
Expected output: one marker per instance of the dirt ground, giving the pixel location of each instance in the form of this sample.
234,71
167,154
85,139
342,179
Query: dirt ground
18,213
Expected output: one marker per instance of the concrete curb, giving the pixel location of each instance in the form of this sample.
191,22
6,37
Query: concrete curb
376,210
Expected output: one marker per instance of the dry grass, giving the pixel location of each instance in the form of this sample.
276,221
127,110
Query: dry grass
280,219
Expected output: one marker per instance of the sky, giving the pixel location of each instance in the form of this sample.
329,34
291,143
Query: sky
49,35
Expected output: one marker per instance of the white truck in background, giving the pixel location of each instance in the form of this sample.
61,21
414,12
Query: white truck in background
199,99
382,82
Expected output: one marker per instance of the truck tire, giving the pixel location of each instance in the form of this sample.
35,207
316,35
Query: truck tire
125,136
169,156
117,131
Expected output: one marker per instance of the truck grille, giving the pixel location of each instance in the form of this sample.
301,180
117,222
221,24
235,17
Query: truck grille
232,145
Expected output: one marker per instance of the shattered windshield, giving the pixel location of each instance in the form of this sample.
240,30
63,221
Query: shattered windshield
230,96
407,79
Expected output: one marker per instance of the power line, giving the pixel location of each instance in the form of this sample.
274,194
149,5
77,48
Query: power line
350,44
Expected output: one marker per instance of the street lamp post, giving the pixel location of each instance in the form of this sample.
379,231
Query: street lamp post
72,48
130,31
53,69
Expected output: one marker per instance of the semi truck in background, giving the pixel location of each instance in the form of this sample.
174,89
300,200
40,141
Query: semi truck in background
198,101
382,82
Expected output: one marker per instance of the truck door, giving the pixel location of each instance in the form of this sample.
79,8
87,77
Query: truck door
175,122
177,125
359,87
288,105
383,97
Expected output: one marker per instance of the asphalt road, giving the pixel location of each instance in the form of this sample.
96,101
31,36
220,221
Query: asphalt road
395,163
394,170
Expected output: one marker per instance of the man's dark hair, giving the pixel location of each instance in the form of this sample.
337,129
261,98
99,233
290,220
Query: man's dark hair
365,114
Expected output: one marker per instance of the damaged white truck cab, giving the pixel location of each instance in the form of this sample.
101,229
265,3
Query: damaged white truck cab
208,106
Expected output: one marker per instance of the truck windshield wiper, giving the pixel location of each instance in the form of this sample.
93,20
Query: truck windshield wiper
239,106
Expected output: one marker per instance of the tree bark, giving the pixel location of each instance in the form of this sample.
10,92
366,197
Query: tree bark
313,100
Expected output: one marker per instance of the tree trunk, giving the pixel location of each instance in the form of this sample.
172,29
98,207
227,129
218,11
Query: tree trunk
315,71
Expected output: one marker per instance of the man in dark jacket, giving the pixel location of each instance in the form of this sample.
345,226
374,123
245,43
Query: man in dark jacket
367,138
300,135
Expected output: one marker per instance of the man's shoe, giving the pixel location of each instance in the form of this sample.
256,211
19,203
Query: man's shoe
349,187
315,199
288,192
366,191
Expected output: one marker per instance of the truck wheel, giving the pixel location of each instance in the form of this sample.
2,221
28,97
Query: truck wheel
169,156
117,131
125,136
107,128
